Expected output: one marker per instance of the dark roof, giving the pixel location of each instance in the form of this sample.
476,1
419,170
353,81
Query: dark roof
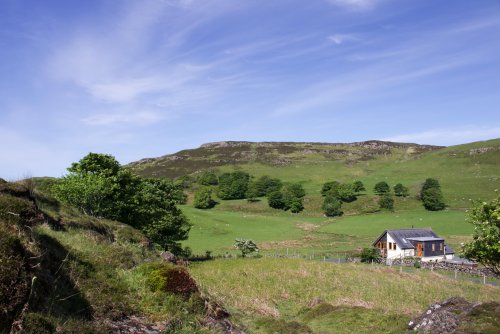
448,250
401,236
426,239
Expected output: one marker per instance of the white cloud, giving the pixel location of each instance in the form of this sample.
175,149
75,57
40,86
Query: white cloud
138,118
341,38
448,136
354,4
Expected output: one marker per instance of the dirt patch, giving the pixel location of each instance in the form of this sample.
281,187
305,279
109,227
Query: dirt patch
307,227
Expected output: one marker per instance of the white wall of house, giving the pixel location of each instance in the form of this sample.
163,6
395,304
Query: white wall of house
394,253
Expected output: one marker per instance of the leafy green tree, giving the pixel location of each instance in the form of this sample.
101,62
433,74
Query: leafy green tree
386,202
332,206
97,185
401,191
428,184
266,184
203,198
293,195
233,185
253,191
345,192
208,178
295,204
370,255
485,246
329,187
246,246
382,188
432,199
359,186
275,200
295,189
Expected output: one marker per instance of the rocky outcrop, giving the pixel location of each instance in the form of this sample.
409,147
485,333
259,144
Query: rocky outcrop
456,315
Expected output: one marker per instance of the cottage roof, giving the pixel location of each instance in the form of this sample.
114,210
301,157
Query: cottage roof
402,236
426,239
448,250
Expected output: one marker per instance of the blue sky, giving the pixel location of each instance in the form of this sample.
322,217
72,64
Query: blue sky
145,78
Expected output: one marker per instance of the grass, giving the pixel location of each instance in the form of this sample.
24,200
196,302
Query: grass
270,293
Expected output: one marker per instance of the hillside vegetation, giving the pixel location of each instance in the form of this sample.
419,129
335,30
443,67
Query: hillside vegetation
466,173
64,272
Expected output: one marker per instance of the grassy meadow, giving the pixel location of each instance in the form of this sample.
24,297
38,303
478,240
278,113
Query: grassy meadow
464,174
298,296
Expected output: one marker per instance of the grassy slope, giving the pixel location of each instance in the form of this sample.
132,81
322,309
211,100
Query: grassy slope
463,176
271,294
89,272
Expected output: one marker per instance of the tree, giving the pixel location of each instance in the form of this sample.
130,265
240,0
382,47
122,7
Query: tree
370,255
266,184
203,198
345,192
233,185
275,200
359,186
382,188
485,246
433,199
97,185
293,195
208,178
246,246
332,206
253,192
386,202
431,195
400,190
328,187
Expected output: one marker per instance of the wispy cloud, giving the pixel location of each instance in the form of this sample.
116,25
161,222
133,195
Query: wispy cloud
448,136
136,118
354,4
341,38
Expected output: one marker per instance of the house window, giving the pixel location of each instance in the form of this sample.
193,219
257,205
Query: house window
433,247
394,246
440,247
390,245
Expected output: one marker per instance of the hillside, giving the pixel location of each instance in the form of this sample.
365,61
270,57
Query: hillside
271,154
64,272
466,173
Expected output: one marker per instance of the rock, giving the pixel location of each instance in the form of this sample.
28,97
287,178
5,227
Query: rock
169,257
456,315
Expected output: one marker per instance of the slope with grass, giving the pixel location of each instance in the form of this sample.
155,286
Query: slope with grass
298,296
466,173
65,272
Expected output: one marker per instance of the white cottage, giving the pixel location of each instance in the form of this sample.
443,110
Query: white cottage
422,243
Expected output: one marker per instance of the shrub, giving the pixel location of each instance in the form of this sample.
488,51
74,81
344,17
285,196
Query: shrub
233,185
332,206
246,246
172,279
203,198
275,200
381,188
386,202
358,186
432,199
370,254
400,190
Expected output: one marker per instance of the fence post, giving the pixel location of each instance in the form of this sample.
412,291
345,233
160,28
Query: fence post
324,258
287,252
455,274
484,278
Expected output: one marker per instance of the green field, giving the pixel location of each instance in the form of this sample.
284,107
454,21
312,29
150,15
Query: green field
298,296
465,175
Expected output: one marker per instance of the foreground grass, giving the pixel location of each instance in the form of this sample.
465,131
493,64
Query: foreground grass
284,295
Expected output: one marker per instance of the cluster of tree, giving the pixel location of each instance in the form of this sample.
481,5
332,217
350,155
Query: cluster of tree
262,187
336,193
383,189
233,185
98,186
203,198
431,195
289,197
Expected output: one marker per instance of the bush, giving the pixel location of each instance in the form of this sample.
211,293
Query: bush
275,200
329,187
386,202
381,188
400,190
246,246
203,198
172,279
417,264
208,178
332,206
432,199
233,185
370,254
358,186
